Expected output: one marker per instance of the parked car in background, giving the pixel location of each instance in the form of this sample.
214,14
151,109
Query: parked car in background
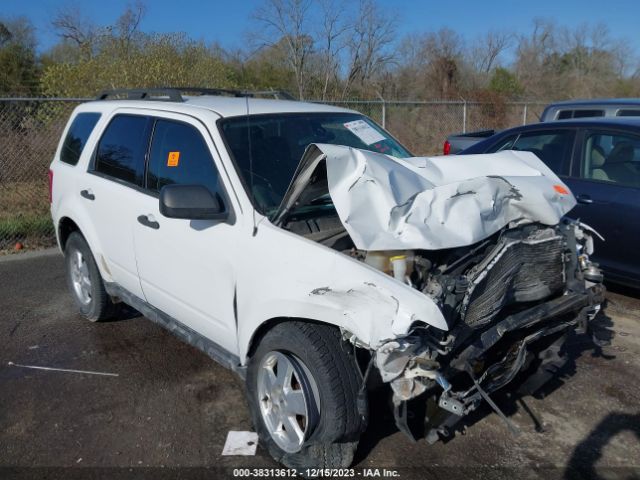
456,143
604,107
599,159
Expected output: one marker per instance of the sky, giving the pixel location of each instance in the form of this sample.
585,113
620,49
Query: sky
227,22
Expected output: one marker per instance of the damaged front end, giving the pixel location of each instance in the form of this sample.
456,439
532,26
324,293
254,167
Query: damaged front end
485,238
510,304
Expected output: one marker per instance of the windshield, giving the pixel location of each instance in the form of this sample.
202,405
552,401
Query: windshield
279,140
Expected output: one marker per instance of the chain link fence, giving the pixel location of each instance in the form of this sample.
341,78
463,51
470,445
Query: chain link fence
424,126
29,133
30,129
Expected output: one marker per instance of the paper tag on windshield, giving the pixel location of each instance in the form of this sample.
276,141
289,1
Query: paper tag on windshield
364,132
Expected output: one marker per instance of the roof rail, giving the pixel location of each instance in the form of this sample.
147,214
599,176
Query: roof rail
174,94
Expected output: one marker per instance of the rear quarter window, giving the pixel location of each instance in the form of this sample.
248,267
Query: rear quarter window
628,113
79,131
580,113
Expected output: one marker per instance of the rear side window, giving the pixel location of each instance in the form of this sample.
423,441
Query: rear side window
179,155
588,113
628,113
122,148
582,113
77,136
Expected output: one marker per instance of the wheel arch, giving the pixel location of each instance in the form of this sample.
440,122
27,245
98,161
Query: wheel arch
66,226
268,324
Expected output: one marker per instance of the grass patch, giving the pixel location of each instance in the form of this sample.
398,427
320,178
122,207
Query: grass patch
24,199
25,227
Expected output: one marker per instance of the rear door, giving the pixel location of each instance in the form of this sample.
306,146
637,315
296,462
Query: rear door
605,178
116,175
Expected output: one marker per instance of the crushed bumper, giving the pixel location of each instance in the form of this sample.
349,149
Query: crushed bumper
458,376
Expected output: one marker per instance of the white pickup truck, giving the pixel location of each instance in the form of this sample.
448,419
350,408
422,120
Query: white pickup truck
303,247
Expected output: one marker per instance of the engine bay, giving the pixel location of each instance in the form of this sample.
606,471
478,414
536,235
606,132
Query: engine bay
509,302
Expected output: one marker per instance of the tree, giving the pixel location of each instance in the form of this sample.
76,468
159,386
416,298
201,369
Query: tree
18,66
505,82
79,35
556,62
286,22
330,37
122,56
488,48
372,34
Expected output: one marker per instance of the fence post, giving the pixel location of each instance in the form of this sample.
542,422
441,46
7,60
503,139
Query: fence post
384,114
524,115
464,116
384,110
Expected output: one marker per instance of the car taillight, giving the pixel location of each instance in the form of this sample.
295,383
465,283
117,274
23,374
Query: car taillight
446,148
50,186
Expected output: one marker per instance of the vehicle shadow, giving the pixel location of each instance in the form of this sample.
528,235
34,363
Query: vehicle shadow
583,460
509,401
382,424
623,290
123,312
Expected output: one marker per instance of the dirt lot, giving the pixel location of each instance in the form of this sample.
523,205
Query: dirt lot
167,413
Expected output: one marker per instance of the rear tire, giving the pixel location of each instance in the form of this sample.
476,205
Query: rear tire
85,282
322,370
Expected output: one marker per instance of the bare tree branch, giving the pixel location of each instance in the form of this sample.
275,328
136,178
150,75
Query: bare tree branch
285,22
372,34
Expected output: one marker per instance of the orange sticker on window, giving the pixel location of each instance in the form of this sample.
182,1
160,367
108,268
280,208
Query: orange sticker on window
173,159
561,190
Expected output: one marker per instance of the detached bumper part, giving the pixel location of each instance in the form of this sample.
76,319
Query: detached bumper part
467,368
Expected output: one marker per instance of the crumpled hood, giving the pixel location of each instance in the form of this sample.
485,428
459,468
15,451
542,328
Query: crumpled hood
389,203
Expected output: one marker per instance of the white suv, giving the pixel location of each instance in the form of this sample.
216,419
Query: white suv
302,246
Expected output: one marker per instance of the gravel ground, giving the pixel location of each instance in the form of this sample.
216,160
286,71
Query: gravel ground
167,413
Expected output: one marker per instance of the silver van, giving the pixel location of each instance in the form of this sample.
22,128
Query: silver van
603,107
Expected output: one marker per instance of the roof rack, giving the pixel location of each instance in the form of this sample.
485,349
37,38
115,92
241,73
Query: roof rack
174,94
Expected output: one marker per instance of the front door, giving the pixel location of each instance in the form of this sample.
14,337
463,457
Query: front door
187,267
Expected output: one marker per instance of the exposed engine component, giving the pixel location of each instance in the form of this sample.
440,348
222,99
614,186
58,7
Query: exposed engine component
508,287
504,278
509,302
397,263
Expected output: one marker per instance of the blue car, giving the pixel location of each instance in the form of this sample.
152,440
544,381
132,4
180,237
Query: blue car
599,159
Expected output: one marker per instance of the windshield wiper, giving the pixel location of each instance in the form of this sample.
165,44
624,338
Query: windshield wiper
322,200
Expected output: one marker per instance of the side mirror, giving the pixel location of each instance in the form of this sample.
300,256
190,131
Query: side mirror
192,202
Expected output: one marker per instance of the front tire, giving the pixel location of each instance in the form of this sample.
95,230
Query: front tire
85,282
303,384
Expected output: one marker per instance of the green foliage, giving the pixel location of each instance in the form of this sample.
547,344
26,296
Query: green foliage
18,68
353,52
266,70
144,61
505,82
26,226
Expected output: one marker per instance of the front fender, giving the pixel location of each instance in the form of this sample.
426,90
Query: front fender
294,277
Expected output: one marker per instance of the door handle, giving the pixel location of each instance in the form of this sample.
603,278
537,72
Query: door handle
148,221
88,194
582,198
